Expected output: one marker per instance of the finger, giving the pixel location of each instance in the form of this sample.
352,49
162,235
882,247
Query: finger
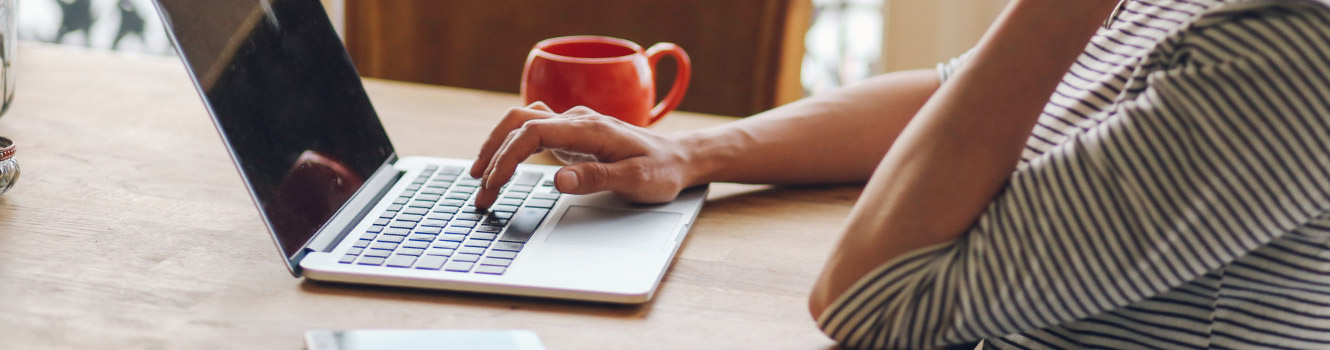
631,178
513,119
540,106
489,192
579,111
595,136
486,198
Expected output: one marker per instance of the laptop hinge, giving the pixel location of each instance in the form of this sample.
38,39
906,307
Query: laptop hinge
356,208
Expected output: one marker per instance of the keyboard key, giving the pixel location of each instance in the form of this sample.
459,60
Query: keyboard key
451,170
397,232
378,253
457,230
513,195
429,197
471,242
468,216
429,169
458,266
388,214
368,235
395,207
504,208
471,250
464,189
447,209
446,244
472,209
433,190
421,237
429,230
452,202
490,269
462,223
411,251
507,246
375,229
415,211
394,239
347,259
543,195
413,187
415,244
370,260
411,218
503,215
381,222
362,243
439,216
452,237
421,204
440,251
401,261
466,257
409,194
458,196
489,228
355,251
469,181
540,203
431,262
403,224
401,200
496,262
520,188
527,178
433,223
501,254
384,245
489,236
439,184
547,183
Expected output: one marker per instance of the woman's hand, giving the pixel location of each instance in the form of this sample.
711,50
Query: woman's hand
631,161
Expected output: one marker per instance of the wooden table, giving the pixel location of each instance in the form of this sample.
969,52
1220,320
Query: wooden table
131,229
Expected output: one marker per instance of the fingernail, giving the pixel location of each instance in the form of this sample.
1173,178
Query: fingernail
568,178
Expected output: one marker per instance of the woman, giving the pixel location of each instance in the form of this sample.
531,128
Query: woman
1157,180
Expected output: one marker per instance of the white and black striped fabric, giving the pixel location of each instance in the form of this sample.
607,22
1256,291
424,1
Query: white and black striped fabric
1175,194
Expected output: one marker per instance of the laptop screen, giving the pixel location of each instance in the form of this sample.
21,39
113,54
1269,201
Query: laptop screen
288,103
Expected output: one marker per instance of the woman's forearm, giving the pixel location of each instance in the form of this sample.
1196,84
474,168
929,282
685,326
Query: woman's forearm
834,137
964,143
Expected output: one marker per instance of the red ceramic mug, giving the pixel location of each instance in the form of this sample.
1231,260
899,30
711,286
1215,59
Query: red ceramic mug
613,76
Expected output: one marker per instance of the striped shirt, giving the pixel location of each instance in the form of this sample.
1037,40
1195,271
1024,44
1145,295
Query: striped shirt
1175,194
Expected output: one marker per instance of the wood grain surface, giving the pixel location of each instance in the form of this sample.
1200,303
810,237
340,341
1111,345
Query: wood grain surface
130,229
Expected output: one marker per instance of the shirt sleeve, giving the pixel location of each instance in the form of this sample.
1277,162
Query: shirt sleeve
1223,151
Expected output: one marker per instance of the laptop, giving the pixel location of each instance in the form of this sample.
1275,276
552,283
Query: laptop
343,207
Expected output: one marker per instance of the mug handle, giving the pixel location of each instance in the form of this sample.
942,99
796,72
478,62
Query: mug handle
675,96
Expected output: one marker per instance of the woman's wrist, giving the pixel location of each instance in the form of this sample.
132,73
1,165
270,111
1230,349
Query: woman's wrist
705,154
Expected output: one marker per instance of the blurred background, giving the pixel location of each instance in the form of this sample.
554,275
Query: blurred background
748,55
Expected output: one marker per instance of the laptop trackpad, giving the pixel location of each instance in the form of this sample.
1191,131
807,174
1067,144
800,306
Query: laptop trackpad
614,227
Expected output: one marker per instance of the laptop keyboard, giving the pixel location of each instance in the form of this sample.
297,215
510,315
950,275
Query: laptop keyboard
434,225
